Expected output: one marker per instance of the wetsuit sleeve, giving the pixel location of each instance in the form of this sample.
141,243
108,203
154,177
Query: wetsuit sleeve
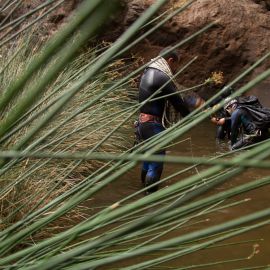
175,99
235,125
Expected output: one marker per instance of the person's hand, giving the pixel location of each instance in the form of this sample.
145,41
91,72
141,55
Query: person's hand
218,121
221,121
214,120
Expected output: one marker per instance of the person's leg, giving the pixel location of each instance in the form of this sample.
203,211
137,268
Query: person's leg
153,175
151,171
264,134
241,143
144,171
228,128
220,133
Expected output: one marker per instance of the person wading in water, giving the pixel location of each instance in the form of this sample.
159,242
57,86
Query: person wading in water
157,78
244,116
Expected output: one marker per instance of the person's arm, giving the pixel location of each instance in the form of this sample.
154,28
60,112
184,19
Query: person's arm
193,101
175,99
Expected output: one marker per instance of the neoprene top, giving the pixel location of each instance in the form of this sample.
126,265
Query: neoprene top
151,81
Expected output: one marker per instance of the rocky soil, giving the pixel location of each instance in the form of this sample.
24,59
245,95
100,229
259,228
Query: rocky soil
240,37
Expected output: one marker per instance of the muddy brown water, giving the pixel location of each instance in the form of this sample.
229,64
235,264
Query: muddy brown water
201,142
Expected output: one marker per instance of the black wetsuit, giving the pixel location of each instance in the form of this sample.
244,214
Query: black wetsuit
153,80
242,118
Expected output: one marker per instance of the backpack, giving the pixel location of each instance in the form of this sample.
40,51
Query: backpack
249,100
259,114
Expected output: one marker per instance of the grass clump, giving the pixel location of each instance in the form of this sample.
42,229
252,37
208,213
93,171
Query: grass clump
33,183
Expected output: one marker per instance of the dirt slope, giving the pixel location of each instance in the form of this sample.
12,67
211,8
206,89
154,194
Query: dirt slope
240,37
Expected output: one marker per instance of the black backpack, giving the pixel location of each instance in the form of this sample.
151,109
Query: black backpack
260,114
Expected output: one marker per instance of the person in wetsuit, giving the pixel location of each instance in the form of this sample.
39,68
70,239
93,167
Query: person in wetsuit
156,82
241,118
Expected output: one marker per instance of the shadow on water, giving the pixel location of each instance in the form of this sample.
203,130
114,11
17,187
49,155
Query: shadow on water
201,142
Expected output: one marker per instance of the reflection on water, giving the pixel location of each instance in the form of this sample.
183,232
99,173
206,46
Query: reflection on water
198,143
